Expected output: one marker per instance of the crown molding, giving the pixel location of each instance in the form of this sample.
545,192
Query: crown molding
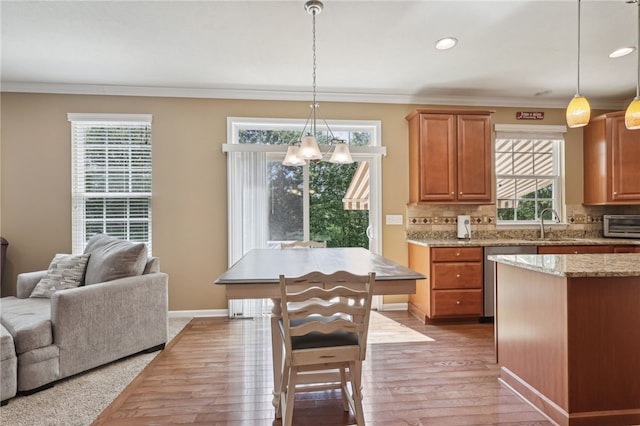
284,95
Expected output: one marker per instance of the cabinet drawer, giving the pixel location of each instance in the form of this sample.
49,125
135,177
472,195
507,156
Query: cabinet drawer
456,254
456,275
456,303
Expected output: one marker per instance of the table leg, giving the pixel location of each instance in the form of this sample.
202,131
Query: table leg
276,347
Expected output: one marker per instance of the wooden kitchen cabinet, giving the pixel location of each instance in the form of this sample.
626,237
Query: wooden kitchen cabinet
453,287
450,156
611,161
575,249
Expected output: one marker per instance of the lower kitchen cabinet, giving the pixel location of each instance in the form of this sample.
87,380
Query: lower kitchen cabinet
453,287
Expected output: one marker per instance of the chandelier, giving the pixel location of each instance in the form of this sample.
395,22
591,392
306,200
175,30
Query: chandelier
308,150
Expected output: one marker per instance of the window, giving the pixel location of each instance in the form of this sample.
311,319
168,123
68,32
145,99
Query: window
111,177
270,203
528,162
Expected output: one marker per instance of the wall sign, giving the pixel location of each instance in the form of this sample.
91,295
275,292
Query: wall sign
530,115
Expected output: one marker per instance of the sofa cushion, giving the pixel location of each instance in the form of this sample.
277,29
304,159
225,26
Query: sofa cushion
7,348
65,271
28,321
112,258
152,266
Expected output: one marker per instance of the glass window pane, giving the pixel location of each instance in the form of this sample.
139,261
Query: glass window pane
360,139
543,164
504,163
286,191
525,188
328,220
506,188
94,208
525,210
504,145
522,164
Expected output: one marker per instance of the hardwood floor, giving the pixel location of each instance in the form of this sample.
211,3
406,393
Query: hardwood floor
218,372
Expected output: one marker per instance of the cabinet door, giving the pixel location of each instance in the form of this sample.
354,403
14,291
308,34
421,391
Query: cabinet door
437,157
474,158
626,158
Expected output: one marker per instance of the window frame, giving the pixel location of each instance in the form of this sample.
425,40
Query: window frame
373,152
79,122
552,133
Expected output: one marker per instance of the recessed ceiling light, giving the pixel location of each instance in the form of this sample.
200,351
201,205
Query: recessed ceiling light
446,43
621,52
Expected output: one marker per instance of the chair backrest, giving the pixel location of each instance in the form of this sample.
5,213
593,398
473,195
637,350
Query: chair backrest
326,306
304,244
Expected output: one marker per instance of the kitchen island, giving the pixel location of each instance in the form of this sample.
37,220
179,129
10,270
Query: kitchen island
568,335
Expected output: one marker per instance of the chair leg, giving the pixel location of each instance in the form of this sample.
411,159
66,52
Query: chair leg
284,379
345,389
356,388
287,409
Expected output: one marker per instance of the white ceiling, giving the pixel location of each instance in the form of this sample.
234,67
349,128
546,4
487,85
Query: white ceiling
510,53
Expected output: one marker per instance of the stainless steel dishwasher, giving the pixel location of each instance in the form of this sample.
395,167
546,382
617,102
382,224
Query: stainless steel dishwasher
489,282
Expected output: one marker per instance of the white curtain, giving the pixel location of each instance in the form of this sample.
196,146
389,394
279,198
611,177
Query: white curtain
248,200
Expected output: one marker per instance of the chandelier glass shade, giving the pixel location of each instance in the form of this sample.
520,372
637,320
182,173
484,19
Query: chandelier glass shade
578,110
308,150
632,115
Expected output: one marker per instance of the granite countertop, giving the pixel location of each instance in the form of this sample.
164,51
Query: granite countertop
576,265
482,242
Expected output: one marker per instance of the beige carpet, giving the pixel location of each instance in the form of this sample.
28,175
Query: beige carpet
79,400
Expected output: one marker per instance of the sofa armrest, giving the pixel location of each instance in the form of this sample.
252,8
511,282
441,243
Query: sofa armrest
103,322
26,282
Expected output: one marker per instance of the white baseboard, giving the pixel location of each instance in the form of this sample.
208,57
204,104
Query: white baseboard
200,313
221,313
395,306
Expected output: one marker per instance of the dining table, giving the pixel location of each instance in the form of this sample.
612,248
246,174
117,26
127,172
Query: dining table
257,276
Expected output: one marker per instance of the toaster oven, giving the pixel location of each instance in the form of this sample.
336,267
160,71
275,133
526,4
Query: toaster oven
621,225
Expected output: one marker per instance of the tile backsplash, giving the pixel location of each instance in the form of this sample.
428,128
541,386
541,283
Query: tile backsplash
440,221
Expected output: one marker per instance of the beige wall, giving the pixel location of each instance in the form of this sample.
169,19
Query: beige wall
189,179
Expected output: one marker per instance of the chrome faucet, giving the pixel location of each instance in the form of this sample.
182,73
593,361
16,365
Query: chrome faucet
542,219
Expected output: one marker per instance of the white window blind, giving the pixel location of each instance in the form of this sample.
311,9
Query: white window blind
111,177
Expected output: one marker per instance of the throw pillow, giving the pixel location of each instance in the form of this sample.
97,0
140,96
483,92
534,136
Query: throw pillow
113,258
65,271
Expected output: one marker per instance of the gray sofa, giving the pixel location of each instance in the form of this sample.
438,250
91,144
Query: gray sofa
76,329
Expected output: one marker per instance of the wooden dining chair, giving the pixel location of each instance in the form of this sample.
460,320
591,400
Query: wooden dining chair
304,244
327,332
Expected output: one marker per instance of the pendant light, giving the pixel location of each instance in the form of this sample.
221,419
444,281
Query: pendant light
309,149
578,110
632,116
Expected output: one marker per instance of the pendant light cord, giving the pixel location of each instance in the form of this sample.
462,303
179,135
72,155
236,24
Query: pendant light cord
314,106
638,54
578,86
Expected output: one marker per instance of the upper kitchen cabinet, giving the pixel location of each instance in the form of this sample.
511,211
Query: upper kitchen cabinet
611,161
450,157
